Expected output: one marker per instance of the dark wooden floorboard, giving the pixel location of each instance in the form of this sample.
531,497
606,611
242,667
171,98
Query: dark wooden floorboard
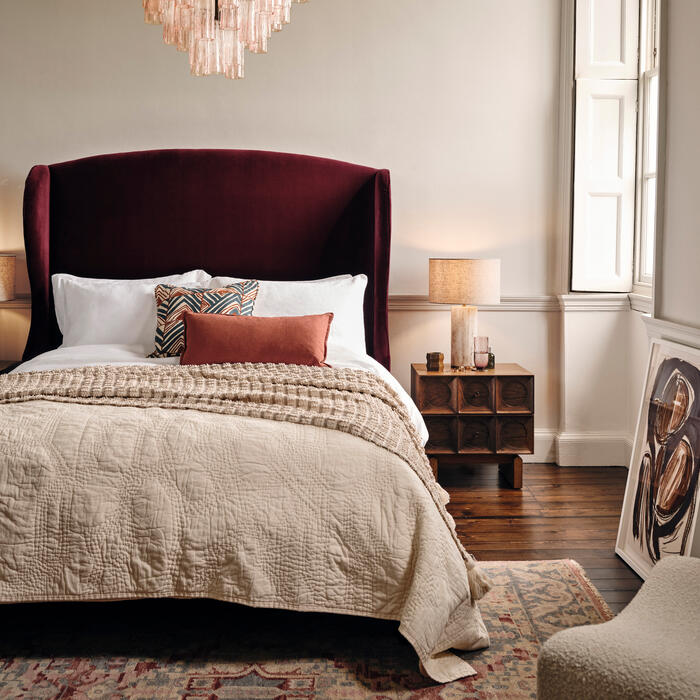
560,513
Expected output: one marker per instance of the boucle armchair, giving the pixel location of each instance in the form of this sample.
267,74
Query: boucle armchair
651,650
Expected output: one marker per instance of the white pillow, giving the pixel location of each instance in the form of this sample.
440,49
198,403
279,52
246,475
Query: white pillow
101,311
344,295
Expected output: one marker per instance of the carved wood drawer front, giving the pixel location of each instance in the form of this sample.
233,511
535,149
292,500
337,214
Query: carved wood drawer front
515,434
472,415
437,395
476,395
443,434
515,394
477,435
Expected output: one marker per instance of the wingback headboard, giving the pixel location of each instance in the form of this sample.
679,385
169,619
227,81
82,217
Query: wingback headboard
251,214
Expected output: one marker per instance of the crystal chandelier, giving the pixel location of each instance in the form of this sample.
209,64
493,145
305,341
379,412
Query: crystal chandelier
217,32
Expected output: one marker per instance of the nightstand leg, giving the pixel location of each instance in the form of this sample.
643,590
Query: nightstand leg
513,472
434,466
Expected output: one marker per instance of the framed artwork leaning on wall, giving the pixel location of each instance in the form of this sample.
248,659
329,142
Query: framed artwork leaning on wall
660,510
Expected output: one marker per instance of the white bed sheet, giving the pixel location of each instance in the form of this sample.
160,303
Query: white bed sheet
85,355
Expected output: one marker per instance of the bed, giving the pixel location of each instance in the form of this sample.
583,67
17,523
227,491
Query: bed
285,486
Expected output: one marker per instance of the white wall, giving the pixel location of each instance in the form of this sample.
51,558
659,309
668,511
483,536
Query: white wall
637,358
458,99
678,278
594,422
677,282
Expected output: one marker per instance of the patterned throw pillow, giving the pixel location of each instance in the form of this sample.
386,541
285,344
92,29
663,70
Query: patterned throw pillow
172,302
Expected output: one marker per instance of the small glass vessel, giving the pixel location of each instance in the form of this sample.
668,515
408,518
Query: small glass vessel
481,351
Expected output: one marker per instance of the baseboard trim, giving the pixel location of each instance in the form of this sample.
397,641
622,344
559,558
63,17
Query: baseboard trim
580,449
593,449
545,447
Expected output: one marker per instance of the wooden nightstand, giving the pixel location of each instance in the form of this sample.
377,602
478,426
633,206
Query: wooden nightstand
477,416
7,365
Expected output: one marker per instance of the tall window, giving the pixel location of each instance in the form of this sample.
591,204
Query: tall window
647,154
615,145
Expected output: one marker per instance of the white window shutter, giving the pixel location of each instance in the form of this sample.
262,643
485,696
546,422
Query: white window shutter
604,185
607,39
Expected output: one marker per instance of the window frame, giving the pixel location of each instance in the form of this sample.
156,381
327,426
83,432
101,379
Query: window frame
648,70
605,58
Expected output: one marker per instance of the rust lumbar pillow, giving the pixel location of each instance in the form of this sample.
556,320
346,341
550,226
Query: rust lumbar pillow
293,340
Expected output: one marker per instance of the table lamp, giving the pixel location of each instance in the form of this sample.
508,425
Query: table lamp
464,282
7,276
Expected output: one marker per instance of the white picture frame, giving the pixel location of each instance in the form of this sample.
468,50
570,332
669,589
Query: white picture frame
660,509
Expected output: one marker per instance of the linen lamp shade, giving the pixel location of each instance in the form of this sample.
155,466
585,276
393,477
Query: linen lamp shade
7,277
465,283
470,281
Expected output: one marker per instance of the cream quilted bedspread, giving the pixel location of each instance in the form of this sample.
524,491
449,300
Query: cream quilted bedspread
267,485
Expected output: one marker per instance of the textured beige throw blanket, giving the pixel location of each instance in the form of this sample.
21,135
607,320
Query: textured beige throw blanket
269,485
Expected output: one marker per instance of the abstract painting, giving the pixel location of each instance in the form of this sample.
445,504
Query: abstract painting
660,511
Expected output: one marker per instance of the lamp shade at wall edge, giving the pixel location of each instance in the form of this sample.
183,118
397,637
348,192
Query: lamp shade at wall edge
7,276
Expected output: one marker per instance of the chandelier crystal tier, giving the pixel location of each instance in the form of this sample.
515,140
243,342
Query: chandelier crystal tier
216,33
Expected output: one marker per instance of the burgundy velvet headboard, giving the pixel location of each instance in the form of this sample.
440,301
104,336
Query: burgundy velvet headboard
241,213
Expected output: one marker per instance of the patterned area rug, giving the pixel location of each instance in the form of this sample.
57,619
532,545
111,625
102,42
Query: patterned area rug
219,651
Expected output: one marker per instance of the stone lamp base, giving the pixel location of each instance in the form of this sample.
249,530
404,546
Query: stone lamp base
464,328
